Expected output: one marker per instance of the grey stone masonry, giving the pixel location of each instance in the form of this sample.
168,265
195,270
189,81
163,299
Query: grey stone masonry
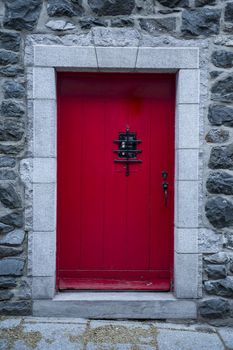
95,32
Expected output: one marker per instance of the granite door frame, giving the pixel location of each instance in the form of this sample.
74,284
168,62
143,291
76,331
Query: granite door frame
44,61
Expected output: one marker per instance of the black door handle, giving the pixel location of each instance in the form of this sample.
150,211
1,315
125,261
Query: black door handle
165,187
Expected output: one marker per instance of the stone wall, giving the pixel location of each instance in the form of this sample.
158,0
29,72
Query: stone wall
181,19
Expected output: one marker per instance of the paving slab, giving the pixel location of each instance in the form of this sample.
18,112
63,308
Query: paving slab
226,334
188,340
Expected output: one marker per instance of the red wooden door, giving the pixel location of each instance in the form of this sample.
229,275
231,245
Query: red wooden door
115,231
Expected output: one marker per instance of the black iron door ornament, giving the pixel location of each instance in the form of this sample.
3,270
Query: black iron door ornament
127,149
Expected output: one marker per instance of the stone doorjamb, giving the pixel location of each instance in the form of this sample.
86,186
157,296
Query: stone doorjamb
44,61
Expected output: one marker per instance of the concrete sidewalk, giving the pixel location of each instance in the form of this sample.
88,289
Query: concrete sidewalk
78,334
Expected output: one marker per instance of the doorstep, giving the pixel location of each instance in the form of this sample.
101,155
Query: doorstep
116,305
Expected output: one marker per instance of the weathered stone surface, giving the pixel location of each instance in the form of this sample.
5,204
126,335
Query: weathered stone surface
218,258
200,3
220,115
219,212
111,7
215,73
5,295
214,308
228,15
6,174
13,219
15,238
11,266
222,90
8,282
15,308
216,271
122,22
9,40
8,57
23,292
222,287
11,71
5,228
222,59
11,149
62,8
221,157
89,22
209,241
9,197
60,25
115,36
7,162
21,15
11,130
13,89
220,182
156,25
174,3
12,109
228,241
217,136
9,251
202,21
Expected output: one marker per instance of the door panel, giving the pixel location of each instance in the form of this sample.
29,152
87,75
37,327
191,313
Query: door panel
114,231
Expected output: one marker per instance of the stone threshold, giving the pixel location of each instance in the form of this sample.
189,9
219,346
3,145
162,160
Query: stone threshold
116,305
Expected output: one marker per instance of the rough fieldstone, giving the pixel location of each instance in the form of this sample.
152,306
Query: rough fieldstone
23,292
218,258
174,3
11,71
9,197
5,228
216,271
6,174
89,22
15,219
13,89
220,182
62,8
8,57
222,287
217,136
215,73
22,308
12,109
9,41
8,282
5,295
200,3
111,7
12,130
222,59
9,251
11,266
202,21
21,15
60,25
7,162
214,308
157,25
221,157
228,15
219,212
15,237
122,22
222,90
220,115
11,149
228,243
